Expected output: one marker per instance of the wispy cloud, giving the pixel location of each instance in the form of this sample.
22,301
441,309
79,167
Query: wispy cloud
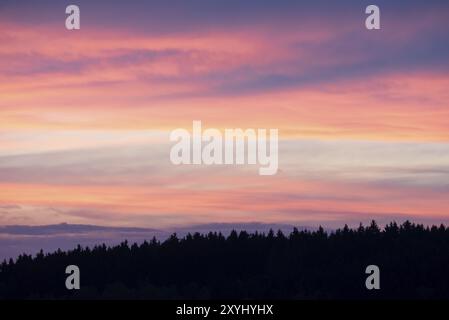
84,116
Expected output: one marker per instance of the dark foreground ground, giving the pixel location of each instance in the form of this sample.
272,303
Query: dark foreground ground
413,262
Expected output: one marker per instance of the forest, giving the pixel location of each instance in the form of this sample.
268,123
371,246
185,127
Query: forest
413,260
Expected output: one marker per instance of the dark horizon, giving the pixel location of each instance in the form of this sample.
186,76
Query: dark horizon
24,239
412,262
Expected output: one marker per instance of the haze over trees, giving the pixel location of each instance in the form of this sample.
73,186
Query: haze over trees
413,262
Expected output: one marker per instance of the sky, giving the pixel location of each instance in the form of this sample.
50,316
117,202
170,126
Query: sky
85,115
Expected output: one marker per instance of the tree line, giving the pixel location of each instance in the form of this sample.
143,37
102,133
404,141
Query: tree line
413,260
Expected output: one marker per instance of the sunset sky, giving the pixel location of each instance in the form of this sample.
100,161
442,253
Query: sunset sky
85,115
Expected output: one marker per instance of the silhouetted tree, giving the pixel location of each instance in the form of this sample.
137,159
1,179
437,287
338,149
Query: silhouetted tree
413,259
